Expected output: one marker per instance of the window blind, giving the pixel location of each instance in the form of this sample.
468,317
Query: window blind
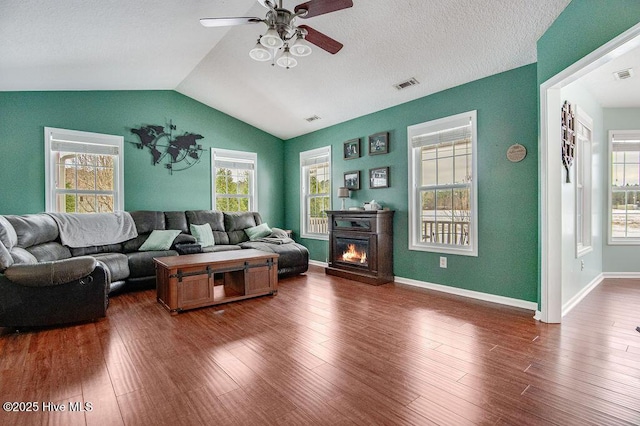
625,142
231,164
447,135
84,148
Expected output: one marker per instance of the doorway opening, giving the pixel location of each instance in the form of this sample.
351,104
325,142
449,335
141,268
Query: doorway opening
551,267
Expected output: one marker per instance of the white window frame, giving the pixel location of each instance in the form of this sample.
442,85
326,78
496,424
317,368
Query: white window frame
243,158
619,135
82,142
308,159
431,127
583,184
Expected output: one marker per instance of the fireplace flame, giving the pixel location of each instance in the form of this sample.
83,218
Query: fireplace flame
353,255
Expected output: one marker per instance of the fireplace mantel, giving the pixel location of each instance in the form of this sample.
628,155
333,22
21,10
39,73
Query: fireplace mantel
361,245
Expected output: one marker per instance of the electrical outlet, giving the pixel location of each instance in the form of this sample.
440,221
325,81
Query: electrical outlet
443,262
582,265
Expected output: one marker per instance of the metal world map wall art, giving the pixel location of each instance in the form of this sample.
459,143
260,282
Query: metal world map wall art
178,153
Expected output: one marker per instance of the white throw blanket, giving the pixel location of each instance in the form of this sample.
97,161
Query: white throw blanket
94,229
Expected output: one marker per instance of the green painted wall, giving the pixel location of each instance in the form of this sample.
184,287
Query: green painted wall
23,116
582,27
507,192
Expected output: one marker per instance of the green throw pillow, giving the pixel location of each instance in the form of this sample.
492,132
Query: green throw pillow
203,234
160,240
259,231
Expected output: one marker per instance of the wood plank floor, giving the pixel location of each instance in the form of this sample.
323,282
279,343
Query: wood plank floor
329,351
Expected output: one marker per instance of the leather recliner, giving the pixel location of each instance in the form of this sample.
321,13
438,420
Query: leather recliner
48,292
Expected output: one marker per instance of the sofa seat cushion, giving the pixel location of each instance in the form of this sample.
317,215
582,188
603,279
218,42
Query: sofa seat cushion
135,244
141,263
294,257
217,248
91,250
116,263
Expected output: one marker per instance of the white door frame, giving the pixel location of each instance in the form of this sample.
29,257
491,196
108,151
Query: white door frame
550,177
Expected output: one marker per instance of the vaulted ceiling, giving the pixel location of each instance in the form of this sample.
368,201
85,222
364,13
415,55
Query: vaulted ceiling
160,44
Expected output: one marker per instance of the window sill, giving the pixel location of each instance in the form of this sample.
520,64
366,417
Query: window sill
444,250
629,242
315,237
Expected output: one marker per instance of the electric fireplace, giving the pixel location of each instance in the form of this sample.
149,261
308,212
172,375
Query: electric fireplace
361,245
352,251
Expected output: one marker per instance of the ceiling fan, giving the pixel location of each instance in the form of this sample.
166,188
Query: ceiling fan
282,32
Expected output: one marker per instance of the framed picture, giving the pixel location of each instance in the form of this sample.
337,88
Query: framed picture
352,180
379,143
352,149
379,177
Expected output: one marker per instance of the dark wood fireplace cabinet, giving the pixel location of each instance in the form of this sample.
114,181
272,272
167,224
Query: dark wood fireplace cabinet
361,245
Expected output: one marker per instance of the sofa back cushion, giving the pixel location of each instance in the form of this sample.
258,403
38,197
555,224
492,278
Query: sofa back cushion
47,252
33,229
236,222
176,220
215,219
147,221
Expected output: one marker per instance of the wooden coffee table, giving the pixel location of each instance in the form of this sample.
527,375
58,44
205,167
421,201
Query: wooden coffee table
204,279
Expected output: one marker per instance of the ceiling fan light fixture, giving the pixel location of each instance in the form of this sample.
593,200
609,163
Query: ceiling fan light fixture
271,39
300,48
286,60
260,53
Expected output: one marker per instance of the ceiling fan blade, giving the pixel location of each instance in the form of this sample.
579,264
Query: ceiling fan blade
228,22
321,40
320,7
269,4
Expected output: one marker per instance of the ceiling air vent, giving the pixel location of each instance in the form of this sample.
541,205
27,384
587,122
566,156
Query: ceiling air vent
411,82
623,74
312,118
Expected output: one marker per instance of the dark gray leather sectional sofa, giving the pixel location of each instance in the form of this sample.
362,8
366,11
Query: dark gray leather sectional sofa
28,241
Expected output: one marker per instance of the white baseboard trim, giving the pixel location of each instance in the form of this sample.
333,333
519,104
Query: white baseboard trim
621,274
581,294
470,293
538,316
318,263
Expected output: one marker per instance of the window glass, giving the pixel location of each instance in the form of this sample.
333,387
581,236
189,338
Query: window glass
84,171
443,213
315,186
234,177
624,188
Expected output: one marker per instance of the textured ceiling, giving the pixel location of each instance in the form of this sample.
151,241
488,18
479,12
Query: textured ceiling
159,44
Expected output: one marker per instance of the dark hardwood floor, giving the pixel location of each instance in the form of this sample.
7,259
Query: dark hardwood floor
330,351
